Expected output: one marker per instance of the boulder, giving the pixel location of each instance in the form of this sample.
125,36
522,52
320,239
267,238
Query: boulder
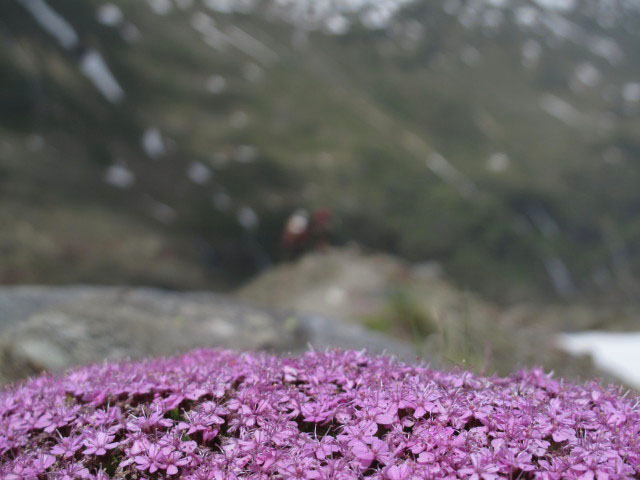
51,328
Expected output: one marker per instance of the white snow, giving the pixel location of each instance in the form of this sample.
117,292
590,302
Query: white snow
450,174
250,45
229,6
52,22
247,218
109,14
314,14
606,48
211,35
587,75
560,27
337,24
558,5
160,7
559,276
198,173
631,92
203,23
526,16
216,84
153,144
253,72
498,162
616,353
119,176
560,109
378,16
95,68
531,53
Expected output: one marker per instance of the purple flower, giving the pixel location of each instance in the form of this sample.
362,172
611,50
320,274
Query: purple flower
151,460
172,461
67,446
98,443
219,415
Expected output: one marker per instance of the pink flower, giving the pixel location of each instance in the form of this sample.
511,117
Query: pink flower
67,446
151,460
172,461
397,472
218,415
98,443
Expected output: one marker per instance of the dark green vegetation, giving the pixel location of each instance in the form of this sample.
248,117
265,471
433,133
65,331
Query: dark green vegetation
541,143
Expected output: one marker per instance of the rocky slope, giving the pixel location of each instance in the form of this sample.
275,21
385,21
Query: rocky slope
417,303
343,298
51,328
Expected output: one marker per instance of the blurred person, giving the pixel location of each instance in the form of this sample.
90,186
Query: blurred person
303,232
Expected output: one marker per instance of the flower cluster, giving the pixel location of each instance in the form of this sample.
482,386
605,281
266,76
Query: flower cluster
214,415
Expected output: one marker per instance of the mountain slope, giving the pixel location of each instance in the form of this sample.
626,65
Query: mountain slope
500,138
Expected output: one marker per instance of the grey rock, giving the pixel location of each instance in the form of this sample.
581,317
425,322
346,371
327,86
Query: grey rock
52,328
325,332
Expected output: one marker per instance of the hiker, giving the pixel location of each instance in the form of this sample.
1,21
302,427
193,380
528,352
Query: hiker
303,232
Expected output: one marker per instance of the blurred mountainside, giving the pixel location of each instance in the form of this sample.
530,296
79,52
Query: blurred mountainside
165,142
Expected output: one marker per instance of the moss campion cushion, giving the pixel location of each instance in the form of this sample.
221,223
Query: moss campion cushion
213,415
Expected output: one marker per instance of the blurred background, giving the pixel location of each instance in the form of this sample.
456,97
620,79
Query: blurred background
457,179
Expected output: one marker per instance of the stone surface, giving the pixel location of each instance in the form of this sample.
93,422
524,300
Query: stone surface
50,328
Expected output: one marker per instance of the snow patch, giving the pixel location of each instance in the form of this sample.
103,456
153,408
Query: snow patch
631,92
498,162
557,5
119,176
587,75
198,173
560,109
109,14
253,72
160,7
52,22
337,24
531,53
247,218
616,353
93,66
526,16
153,144
216,84
450,174
559,276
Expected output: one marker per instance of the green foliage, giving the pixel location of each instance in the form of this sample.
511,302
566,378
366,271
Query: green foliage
403,314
